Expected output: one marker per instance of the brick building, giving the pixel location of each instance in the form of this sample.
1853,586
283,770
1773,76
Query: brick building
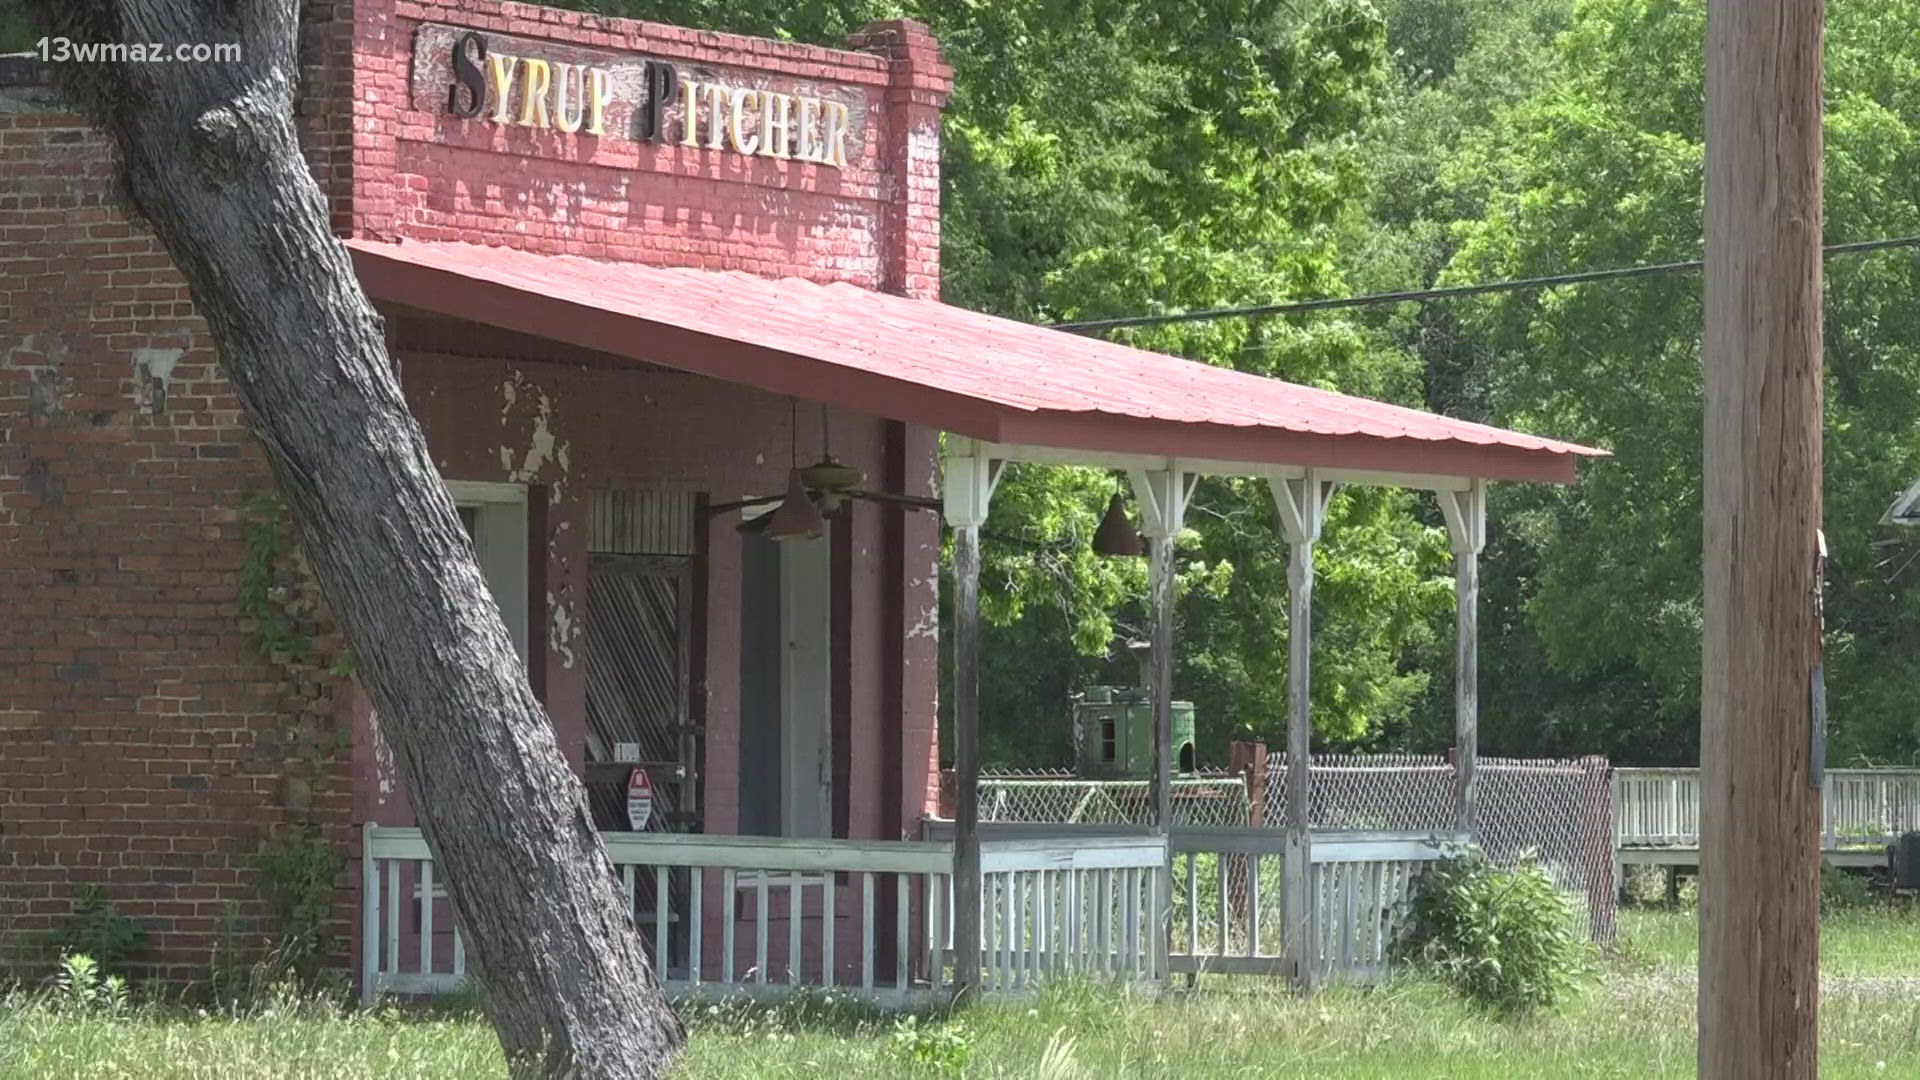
634,277
146,745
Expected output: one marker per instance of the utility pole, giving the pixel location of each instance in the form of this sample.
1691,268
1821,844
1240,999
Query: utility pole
1760,752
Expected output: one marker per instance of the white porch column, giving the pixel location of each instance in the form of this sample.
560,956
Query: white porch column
1163,497
1466,514
1302,504
967,482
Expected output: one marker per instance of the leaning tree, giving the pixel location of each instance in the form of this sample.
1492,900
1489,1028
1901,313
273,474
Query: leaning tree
207,154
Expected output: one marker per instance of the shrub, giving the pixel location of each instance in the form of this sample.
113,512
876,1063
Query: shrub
98,931
79,986
941,1048
1842,891
1502,938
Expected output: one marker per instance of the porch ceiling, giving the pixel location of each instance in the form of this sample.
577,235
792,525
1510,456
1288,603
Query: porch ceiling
1033,392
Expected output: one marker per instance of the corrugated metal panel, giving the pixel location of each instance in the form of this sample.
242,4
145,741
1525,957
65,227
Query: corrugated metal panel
641,523
920,360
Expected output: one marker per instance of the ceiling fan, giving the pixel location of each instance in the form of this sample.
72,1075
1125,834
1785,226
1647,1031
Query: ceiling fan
813,492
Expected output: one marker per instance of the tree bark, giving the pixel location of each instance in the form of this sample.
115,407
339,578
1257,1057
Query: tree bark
209,157
1760,803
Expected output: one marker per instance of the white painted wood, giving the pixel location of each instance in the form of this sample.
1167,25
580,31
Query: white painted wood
661,885
459,951
903,931
1003,977
393,914
936,930
500,547
1103,920
370,915
806,705
866,931
696,909
729,901
828,926
1253,904
795,958
1225,914
426,916
760,921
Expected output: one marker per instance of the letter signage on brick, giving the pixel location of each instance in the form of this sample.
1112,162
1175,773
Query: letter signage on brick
520,83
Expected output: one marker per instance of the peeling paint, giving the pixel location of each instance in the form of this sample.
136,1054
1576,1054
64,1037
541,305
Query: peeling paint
542,447
382,758
151,370
926,624
564,632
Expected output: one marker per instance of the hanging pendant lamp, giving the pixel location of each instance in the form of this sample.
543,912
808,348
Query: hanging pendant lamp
797,518
1116,537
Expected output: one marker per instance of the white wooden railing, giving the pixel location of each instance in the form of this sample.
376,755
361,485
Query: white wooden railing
1660,808
1061,906
1227,906
868,918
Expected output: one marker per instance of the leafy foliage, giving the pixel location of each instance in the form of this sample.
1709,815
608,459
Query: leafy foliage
98,931
942,1048
1548,137
298,878
1841,890
1503,938
80,987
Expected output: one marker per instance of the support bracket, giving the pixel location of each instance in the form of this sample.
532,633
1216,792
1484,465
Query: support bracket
1466,514
1302,503
967,480
1163,495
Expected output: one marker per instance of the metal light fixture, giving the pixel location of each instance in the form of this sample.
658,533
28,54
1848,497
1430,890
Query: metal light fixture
797,518
1116,537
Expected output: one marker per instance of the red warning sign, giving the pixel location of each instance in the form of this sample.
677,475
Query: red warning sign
639,800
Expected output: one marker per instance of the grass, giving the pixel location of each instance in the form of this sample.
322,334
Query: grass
1633,1020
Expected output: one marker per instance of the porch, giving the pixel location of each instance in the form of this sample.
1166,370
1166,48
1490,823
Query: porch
974,912
748,916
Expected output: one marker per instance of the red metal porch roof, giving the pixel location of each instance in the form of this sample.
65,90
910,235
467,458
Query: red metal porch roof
941,366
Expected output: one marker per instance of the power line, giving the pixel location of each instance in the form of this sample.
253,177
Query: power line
1259,310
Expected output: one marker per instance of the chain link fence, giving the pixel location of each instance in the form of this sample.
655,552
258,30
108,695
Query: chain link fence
1062,798
1556,813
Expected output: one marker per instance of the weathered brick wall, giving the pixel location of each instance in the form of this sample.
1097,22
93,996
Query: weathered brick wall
425,174
144,747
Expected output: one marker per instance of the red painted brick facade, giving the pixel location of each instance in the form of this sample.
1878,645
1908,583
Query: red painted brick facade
145,747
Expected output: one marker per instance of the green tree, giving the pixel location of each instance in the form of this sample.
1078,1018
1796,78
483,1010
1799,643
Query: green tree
1599,164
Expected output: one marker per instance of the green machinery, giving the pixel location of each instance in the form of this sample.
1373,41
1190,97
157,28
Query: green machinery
1113,732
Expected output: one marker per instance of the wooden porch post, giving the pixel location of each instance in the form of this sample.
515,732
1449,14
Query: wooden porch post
1302,504
1761,737
966,489
1163,499
1466,514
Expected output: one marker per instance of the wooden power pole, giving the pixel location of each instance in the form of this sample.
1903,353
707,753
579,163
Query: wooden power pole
1760,748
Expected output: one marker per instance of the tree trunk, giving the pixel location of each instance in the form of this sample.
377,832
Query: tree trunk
1760,800
209,157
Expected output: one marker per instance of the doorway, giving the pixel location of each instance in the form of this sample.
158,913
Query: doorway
786,699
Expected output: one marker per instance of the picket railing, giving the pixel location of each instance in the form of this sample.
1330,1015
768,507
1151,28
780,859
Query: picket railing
1052,907
1660,808
1227,904
729,915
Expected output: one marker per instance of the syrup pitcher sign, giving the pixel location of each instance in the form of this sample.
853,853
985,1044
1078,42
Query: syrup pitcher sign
515,82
